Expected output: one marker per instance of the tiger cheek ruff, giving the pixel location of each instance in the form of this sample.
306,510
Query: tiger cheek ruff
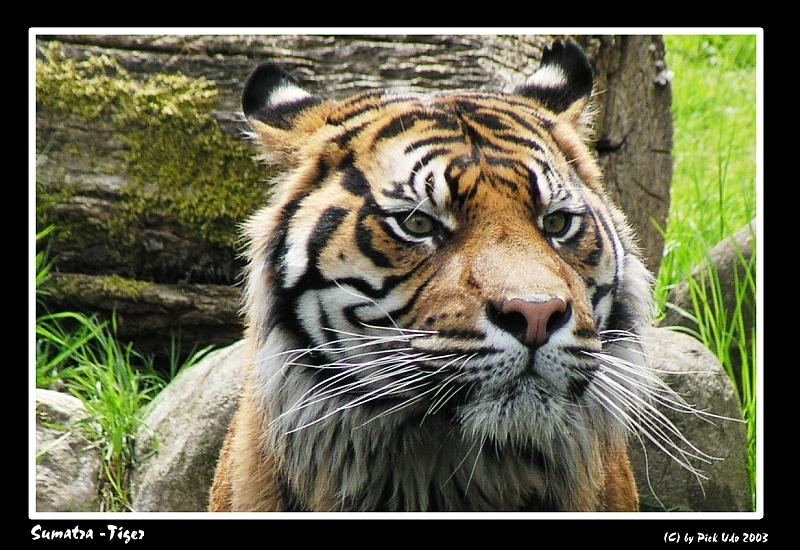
434,302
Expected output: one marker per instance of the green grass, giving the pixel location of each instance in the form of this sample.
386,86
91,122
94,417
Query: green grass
713,184
713,195
112,381
83,356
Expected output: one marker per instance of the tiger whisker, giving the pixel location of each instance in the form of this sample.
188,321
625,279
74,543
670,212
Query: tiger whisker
370,300
344,362
415,208
386,391
382,392
650,413
433,409
413,331
661,395
474,464
394,368
624,421
636,427
458,466
658,384
647,426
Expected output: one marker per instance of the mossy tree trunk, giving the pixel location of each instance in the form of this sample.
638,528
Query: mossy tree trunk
135,197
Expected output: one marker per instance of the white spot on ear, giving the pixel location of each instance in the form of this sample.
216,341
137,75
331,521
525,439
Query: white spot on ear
286,93
549,76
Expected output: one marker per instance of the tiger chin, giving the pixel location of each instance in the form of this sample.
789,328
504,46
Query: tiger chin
434,300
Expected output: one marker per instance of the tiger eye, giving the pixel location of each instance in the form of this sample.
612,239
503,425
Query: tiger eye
555,223
418,224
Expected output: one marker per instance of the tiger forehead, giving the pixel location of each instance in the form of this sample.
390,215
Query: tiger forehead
444,147
441,106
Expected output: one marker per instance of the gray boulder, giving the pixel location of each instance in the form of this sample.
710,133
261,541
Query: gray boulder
191,416
189,419
695,374
68,466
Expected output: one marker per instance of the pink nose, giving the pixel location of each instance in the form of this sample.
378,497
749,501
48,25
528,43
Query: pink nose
540,318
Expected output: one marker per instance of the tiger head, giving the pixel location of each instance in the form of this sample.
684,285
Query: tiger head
442,267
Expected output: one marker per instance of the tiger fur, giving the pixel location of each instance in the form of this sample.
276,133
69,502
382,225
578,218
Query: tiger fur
431,293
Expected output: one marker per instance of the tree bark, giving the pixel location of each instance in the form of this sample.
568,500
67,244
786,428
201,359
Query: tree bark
634,129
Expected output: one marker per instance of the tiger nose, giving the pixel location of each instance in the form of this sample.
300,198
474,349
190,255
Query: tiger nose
531,322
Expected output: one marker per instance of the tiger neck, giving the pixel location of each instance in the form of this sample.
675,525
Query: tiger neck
358,460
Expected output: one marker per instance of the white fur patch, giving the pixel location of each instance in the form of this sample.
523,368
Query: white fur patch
549,76
287,93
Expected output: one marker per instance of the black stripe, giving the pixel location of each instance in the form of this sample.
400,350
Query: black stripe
326,226
426,158
600,292
579,233
398,125
277,246
435,140
452,181
488,120
576,386
343,139
500,161
533,188
461,334
468,106
617,259
356,110
284,114
518,140
429,193
364,240
398,191
355,182
385,321
285,310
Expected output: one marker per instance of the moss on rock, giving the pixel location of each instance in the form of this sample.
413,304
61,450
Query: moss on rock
178,162
121,287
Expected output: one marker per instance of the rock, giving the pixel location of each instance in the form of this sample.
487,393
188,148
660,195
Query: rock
189,419
725,258
68,466
697,376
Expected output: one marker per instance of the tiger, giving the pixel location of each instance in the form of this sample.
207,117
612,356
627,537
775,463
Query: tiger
442,304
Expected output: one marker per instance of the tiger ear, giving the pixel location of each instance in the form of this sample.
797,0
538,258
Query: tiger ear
278,109
563,81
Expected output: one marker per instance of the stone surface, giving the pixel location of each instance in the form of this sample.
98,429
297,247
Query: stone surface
68,469
694,373
189,418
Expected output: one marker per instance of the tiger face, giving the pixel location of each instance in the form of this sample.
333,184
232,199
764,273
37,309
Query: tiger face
438,274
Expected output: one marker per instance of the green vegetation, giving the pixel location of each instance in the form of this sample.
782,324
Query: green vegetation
83,356
177,159
714,195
